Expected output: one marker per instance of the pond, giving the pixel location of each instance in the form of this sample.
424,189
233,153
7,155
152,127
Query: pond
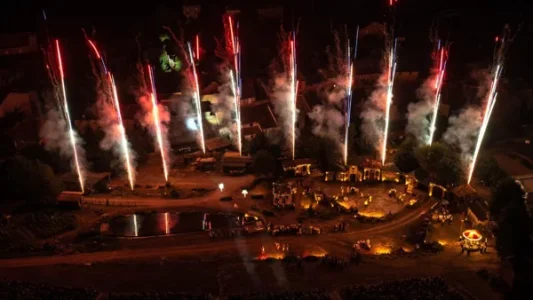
165,223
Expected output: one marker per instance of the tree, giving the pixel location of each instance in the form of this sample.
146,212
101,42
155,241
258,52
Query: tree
28,180
405,161
513,231
490,172
264,163
409,144
441,162
505,193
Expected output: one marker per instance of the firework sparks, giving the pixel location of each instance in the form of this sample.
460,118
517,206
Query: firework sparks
486,117
197,101
124,145
293,89
235,76
499,57
443,58
157,123
197,47
123,140
390,84
349,95
68,119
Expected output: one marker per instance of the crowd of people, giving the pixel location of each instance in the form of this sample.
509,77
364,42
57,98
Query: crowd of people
14,290
418,288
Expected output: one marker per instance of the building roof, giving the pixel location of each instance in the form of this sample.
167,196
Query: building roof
234,157
69,196
251,130
259,112
290,163
216,143
91,178
464,190
478,211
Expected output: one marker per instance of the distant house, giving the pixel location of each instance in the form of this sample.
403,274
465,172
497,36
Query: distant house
233,163
298,167
217,144
94,182
70,198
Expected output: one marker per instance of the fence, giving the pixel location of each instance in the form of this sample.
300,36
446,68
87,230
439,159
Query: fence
108,202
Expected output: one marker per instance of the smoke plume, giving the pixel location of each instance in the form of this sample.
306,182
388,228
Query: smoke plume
55,134
419,113
463,129
328,119
147,119
373,114
109,122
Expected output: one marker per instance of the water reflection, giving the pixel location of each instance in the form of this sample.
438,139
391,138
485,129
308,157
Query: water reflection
154,224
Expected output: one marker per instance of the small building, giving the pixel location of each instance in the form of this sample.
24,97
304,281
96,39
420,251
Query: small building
206,164
233,163
371,170
478,214
350,173
70,198
297,167
217,144
390,172
94,182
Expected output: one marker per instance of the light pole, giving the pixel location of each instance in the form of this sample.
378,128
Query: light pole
221,187
244,193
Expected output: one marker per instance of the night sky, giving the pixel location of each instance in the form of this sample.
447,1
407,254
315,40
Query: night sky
471,29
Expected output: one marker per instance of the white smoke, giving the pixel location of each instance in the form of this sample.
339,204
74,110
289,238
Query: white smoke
419,114
463,129
55,134
373,114
282,99
147,120
328,119
224,109
108,121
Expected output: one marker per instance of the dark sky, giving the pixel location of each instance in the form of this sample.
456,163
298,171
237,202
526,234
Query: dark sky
470,28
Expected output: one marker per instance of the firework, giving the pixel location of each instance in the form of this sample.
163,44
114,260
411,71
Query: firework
443,58
124,145
293,88
197,101
197,40
232,42
349,94
123,140
66,113
391,65
157,123
499,57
